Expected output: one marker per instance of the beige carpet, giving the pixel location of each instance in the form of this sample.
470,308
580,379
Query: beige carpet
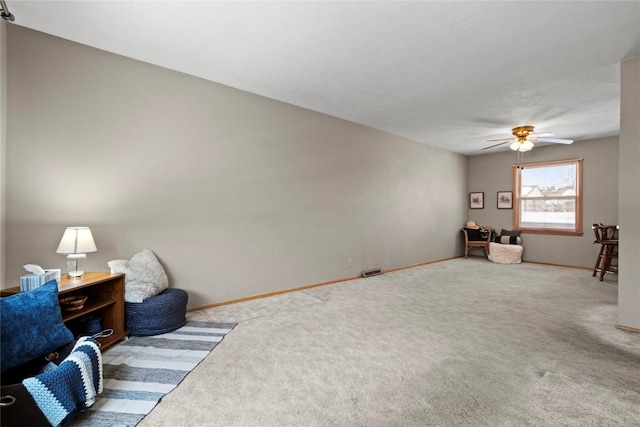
457,343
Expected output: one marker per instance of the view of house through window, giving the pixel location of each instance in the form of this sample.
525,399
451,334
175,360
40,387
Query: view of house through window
548,197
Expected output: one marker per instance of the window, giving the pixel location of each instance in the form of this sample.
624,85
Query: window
548,197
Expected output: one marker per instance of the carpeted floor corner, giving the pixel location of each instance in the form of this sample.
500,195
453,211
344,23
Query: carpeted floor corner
461,342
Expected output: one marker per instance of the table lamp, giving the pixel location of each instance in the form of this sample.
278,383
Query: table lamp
76,241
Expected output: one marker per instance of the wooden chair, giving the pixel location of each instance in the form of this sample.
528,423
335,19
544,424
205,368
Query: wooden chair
476,238
607,238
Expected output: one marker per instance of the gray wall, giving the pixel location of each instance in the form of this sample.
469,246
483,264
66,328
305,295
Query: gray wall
3,142
493,172
237,194
629,250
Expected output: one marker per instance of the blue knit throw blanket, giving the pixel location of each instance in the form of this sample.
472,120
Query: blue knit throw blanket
72,386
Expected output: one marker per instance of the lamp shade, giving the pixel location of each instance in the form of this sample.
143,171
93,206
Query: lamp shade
76,240
526,146
521,146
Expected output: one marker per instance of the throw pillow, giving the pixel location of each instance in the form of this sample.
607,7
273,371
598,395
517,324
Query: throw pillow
510,232
508,240
144,276
31,326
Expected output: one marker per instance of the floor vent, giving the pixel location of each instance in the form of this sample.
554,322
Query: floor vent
372,272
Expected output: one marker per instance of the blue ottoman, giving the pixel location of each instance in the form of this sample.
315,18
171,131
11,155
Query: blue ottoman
158,314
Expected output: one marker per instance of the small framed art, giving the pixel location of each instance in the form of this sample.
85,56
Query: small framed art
505,200
476,200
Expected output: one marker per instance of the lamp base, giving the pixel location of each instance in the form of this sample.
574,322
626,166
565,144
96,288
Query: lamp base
75,274
75,264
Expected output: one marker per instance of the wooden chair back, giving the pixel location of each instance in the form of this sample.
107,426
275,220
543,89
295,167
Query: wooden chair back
604,232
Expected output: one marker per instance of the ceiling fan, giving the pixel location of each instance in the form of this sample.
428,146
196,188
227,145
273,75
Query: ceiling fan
524,139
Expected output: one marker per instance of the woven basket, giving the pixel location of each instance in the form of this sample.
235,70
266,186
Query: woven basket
73,303
158,314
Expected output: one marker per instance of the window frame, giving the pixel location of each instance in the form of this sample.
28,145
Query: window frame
517,169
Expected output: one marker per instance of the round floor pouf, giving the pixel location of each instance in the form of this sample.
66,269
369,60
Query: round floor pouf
505,254
158,314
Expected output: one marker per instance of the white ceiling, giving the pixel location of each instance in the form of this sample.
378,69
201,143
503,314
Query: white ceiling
449,74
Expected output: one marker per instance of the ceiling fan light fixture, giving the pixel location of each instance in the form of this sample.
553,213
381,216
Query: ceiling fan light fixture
522,131
524,139
526,146
521,145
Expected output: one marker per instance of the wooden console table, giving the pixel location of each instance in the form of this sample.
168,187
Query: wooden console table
105,292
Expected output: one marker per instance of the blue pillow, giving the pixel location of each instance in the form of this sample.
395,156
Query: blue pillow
31,325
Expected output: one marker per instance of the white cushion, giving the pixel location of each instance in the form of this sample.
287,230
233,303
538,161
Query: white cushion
508,240
144,276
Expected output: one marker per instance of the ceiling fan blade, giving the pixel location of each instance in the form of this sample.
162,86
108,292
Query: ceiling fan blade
542,135
556,140
495,145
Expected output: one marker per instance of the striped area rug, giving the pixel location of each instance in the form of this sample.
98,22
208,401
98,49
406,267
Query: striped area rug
139,371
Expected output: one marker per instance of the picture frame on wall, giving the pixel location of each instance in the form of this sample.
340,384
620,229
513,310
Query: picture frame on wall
476,200
505,199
